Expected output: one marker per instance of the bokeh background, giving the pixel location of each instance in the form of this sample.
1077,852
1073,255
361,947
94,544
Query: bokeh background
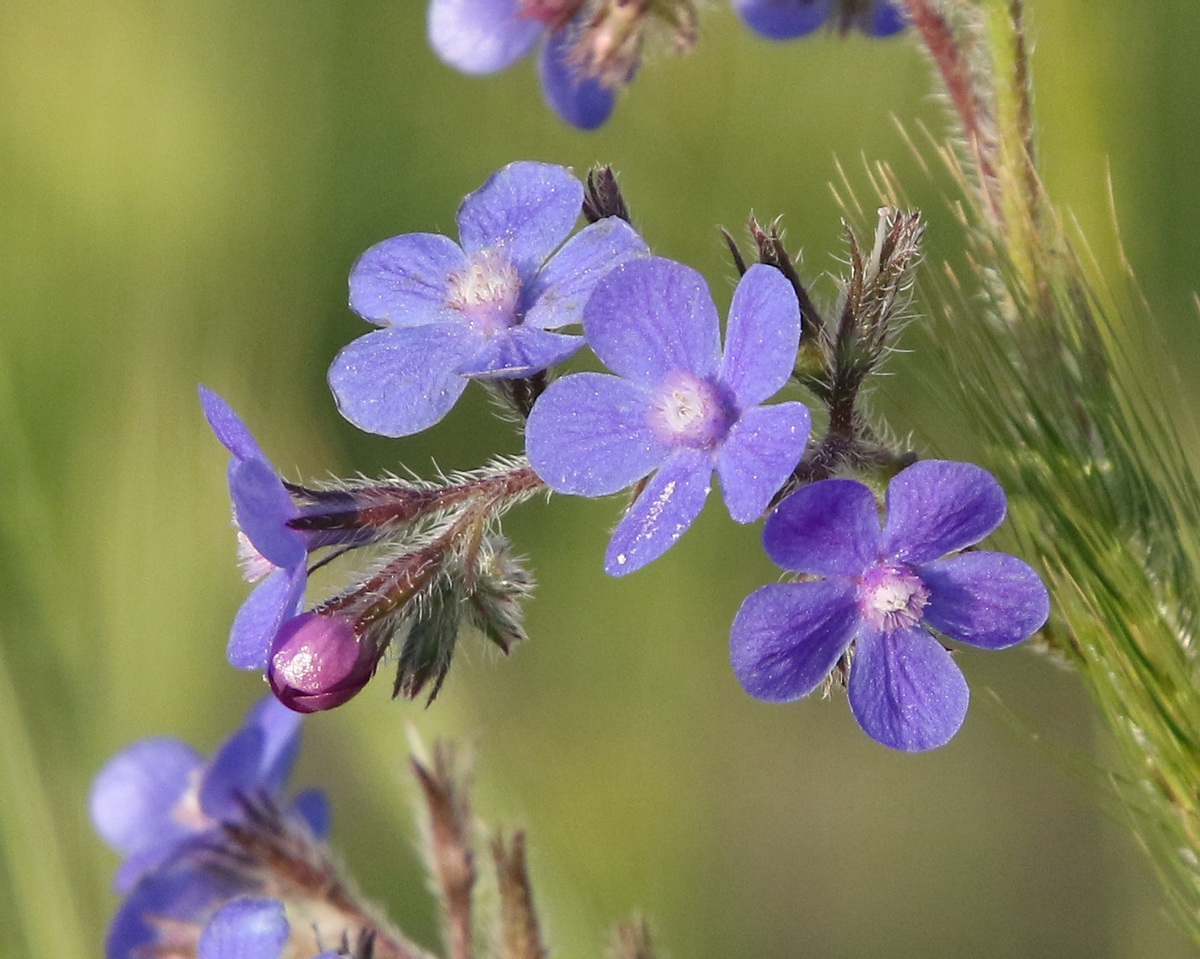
184,187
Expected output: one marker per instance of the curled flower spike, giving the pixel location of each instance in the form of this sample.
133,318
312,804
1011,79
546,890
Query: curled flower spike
881,591
788,19
678,407
482,310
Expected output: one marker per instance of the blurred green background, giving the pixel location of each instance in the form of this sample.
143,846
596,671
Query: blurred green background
185,185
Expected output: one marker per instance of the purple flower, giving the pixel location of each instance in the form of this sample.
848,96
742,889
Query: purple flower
787,19
271,550
483,36
164,809
883,590
248,929
676,407
484,309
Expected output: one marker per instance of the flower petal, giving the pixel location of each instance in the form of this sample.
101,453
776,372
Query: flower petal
652,316
520,351
481,36
986,599
666,507
397,382
830,528
256,759
281,743
787,637
935,507
271,603
905,690
525,209
560,291
312,805
262,507
134,795
228,427
245,929
587,435
405,280
762,336
783,19
758,455
581,101
886,19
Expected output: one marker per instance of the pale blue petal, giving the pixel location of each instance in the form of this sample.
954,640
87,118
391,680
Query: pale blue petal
652,316
262,507
397,382
762,336
830,528
935,507
758,455
520,351
228,427
986,599
481,36
406,280
587,435
787,637
561,290
272,602
245,929
905,690
666,507
581,101
525,210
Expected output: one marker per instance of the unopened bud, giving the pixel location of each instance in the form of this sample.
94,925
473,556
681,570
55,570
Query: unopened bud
318,662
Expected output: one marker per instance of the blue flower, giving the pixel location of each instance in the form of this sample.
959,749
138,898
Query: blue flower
787,19
163,807
482,310
248,929
483,36
881,590
677,407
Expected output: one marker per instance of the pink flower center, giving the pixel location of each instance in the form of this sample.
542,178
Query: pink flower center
688,411
892,597
486,293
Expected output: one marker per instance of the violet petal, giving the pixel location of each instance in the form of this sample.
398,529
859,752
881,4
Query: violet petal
787,637
262,507
481,36
281,743
406,280
905,690
271,603
245,929
134,795
935,507
520,351
228,427
758,455
666,507
650,317
783,19
830,528
587,435
312,805
985,599
397,382
560,291
581,101
525,209
762,336
886,19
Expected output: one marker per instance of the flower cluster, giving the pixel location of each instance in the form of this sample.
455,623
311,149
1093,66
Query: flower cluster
176,819
678,407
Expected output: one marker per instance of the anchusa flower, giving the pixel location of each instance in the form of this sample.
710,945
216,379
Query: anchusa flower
677,407
787,19
483,310
589,48
871,594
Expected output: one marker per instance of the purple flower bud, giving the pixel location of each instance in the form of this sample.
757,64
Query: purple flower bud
318,661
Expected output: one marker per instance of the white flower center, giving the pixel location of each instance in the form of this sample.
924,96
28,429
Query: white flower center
486,293
892,597
688,411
